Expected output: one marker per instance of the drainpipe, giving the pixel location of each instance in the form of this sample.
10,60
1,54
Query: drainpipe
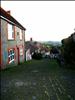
24,47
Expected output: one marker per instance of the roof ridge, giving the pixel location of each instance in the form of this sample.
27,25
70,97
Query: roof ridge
10,18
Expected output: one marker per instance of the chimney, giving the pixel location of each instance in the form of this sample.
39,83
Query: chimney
9,12
31,39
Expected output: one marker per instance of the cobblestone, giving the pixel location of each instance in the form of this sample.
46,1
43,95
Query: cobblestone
51,84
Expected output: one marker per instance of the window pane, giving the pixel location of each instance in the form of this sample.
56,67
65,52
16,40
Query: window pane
13,57
10,31
20,34
10,52
17,33
12,28
13,50
10,58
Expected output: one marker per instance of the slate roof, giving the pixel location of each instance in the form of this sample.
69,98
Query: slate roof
4,15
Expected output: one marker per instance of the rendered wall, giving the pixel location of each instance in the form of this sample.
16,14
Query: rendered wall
4,46
7,44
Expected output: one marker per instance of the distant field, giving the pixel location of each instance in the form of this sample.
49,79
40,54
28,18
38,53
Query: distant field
38,80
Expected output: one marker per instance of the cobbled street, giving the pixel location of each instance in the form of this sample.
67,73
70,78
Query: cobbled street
38,80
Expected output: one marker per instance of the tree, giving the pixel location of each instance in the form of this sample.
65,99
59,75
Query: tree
68,49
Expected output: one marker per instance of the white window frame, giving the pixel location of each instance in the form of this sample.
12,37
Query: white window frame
20,34
10,32
10,55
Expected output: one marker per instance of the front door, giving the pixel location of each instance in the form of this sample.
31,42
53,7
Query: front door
18,55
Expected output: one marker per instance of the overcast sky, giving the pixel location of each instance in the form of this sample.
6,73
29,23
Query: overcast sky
44,20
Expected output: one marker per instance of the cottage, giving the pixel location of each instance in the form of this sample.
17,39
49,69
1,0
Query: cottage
12,40
28,55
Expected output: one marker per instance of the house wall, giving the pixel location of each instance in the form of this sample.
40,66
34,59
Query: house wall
20,43
4,44
0,43
8,44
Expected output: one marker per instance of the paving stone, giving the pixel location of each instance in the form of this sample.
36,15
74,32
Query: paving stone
19,83
33,97
35,71
38,85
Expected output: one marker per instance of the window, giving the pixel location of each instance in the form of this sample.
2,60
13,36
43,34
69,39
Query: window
11,55
10,32
20,34
17,33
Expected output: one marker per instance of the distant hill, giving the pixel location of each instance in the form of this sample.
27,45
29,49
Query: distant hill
54,43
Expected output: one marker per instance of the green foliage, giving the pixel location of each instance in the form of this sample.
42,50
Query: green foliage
37,56
68,50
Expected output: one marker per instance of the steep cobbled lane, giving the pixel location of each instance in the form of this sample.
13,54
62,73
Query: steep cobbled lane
38,80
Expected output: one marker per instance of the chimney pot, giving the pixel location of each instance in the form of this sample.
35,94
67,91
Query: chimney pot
9,12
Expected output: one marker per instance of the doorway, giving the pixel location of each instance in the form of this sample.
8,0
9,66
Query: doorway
18,55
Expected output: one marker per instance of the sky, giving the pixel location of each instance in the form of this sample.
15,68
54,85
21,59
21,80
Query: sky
44,20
